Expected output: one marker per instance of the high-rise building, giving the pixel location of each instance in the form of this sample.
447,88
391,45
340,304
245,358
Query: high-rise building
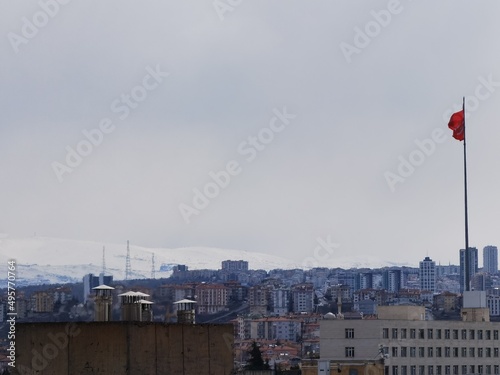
90,281
281,301
303,298
391,280
428,274
473,266
490,259
364,281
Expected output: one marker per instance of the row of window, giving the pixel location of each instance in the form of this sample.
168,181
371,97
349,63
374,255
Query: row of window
438,334
447,351
430,352
444,370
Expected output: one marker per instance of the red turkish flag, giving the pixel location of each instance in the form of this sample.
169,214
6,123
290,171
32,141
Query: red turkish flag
457,125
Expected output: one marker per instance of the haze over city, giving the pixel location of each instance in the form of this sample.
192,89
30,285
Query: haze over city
259,126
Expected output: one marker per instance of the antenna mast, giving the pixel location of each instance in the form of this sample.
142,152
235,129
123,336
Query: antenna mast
128,269
103,260
153,275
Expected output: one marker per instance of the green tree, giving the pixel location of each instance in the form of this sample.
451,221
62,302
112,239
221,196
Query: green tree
255,362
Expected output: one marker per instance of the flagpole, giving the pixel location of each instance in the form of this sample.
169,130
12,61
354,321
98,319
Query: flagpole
467,251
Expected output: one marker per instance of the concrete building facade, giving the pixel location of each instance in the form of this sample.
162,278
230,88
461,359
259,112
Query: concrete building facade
123,348
411,346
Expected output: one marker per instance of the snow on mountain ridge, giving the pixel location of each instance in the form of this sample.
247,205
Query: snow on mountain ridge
42,258
53,260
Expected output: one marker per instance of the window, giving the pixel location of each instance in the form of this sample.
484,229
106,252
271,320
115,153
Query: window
349,333
464,352
429,334
430,352
464,369
495,352
455,369
438,352
471,334
488,334
404,370
479,334
413,370
495,334
421,370
413,334
472,369
464,334
394,351
488,369
488,352
496,369
385,333
394,333
394,370
480,369
455,352
472,352
438,370
349,352
421,333
404,352
447,351
430,370
447,335
403,336
438,334
421,352
413,351
480,353
455,334
447,370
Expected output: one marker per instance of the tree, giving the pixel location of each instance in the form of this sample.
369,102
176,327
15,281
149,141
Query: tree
255,362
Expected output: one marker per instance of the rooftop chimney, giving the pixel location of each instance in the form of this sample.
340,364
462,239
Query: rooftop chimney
185,311
103,303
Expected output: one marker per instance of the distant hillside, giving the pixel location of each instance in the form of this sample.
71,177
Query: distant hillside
43,260
54,260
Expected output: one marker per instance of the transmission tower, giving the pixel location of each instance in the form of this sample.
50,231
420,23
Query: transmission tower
153,267
103,260
128,269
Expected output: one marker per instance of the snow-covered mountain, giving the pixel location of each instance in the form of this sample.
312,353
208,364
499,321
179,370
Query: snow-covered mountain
53,260
42,260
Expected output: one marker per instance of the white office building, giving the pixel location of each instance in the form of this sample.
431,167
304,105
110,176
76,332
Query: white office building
409,345
427,275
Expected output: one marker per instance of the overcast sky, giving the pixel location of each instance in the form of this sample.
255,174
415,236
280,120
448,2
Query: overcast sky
315,110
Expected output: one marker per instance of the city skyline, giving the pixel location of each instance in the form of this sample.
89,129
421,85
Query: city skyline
255,128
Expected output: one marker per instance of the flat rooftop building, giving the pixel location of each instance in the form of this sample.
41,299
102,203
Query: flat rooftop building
410,345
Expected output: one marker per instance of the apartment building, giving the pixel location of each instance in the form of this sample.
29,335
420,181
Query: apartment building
303,298
42,301
211,298
410,345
